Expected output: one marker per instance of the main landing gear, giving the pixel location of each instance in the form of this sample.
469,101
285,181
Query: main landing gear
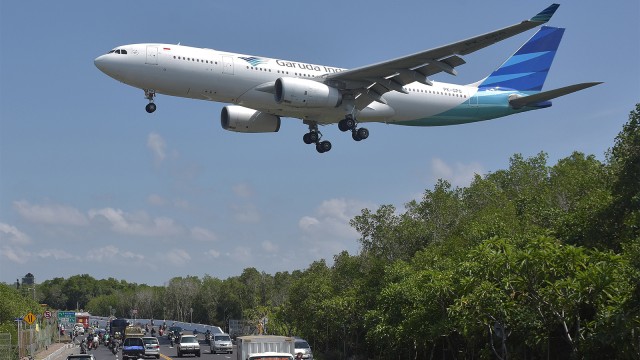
149,95
349,123
314,136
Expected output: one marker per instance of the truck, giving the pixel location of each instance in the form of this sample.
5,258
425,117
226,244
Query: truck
133,331
133,347
267,347
117,326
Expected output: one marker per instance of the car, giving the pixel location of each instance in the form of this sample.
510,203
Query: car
132,347
188,345
151,346
221,343
302,346
81,357
79,328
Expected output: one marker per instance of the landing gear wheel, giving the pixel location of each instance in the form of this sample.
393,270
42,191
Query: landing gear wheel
306,139
151,107
323,147
363,133
354,136
346,124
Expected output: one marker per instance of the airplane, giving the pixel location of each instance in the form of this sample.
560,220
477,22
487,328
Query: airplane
262,90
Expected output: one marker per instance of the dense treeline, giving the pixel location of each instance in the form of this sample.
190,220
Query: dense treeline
534,261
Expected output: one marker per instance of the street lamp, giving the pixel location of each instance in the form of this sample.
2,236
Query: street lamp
191,311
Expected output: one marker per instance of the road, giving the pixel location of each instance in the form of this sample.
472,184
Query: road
166,352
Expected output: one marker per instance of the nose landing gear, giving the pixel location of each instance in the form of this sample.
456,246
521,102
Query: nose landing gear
149,95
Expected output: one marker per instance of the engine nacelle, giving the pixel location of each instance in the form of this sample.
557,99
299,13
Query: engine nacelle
306,93
242,119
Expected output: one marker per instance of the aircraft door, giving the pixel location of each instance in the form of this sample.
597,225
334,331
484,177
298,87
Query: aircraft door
152,55
227,65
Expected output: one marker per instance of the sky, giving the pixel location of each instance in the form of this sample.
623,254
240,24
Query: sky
91,183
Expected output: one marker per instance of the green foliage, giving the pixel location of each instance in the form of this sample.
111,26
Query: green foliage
534,261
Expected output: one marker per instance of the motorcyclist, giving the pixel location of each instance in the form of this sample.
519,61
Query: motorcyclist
172,335
207,337
83,347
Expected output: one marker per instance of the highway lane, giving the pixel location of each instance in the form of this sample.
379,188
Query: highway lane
166,352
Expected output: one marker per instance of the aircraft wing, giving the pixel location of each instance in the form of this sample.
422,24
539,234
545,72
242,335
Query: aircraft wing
548,95
369,83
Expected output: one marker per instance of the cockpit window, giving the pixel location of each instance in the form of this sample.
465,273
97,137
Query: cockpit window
123,51
112,51
118,51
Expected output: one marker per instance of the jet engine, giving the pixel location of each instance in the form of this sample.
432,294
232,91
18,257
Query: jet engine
242,119
306,93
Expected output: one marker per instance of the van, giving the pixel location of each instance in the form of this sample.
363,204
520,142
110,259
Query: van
221,343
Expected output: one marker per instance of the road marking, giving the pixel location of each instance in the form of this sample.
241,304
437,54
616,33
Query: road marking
165,357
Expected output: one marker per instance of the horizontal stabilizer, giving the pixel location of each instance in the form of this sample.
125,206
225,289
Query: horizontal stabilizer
548,95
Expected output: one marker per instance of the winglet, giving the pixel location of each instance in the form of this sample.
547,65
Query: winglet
545,14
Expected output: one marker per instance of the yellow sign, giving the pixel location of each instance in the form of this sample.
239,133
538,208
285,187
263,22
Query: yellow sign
29,318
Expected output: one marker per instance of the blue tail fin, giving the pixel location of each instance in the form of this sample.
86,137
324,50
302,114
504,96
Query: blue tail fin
527,69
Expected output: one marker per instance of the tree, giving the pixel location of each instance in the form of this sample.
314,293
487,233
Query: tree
624,160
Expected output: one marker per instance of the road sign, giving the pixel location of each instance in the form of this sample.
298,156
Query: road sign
29,318
47,314
67,317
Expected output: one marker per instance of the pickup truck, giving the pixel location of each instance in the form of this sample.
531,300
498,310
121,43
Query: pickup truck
132,347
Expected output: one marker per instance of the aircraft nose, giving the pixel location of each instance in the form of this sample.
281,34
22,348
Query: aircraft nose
99,62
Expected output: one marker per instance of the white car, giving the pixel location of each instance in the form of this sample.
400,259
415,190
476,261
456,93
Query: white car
151,346
188,345
302,346
221,343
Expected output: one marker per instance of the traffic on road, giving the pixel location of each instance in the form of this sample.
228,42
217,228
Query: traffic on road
164,350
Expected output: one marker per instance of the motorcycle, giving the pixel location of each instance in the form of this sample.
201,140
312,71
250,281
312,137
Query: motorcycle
83,348
114,345
207,338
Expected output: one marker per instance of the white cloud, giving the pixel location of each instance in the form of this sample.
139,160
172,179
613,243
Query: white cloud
242,190
457,174
50,214
327,232
11,235
202,234
157,145
181,204
247,213
307,223
213,253
332,218
241,254
55,254
15,254
156,200
110,252
139,224
177,257
269,247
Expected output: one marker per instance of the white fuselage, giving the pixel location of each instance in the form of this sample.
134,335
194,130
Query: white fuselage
213,75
